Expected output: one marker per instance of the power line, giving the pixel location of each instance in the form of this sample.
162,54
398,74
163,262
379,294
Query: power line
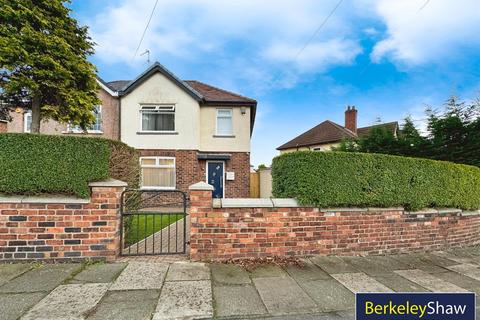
145,30
424,5
324,22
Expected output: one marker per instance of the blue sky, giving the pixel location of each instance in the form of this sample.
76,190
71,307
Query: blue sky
389,58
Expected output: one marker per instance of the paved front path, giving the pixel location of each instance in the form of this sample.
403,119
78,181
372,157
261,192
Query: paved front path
157,289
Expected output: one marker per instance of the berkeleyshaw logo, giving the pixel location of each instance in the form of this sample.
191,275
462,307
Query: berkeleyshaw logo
415,306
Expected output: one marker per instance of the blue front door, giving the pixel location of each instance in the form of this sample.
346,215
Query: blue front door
215,177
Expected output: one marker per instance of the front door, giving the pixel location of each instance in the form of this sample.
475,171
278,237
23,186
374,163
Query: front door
215,175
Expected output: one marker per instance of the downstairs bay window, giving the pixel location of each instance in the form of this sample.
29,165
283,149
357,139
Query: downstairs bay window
157,172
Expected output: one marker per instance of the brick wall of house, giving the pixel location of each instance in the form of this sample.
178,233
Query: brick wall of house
3,126
110,123
225,233
62,231
190,170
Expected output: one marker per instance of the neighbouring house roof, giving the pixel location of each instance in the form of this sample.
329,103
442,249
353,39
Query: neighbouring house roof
389,126
330,132
204,93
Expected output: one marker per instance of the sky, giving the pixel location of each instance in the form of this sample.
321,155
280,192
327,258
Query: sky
389,58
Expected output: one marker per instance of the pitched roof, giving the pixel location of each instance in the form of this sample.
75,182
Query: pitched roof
330,132
325,132
214,94
118,85
389,126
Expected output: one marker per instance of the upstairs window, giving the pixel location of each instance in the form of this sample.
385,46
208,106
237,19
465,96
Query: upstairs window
96,127
157,118
27,121
224,122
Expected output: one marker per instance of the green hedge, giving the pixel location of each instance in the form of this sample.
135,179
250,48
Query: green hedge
338,179
32,164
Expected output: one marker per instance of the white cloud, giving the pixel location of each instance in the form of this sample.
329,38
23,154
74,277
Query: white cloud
415,35
317,56
266,33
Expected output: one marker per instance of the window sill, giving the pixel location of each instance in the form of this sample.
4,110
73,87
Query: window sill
81,132
224,136
157,188
158,132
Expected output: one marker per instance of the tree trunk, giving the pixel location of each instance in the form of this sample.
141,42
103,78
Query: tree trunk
36,117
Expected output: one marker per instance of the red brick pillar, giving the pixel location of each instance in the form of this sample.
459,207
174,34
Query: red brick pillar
3,126
200,205
105,204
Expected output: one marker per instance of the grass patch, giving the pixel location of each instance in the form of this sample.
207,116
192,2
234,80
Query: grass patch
138,227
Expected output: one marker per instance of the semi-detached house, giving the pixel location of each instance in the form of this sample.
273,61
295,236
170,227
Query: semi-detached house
186,131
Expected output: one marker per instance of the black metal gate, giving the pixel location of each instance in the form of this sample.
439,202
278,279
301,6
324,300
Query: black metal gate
154,222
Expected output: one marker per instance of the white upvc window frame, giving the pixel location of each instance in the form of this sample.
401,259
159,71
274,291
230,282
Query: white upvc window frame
76,129
26,116
157,165
168,109
230,110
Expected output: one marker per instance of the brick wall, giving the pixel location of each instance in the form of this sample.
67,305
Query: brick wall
62,231
224,233
190,170
3,126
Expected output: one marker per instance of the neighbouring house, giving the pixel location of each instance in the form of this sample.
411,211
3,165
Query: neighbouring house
329,134
185,131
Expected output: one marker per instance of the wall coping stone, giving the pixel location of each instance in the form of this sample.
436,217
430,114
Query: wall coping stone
470,213
247,203
49,199
217,203
108,183
201,186
285,202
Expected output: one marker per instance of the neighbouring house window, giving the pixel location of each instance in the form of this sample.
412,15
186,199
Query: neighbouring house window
224,122
157,118
96,127
27,121
158,172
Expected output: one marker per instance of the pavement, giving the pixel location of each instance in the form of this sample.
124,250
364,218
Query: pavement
171,288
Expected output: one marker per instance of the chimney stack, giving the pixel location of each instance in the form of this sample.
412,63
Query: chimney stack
351,119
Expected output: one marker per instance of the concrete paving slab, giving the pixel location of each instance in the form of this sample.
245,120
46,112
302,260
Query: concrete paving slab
333,265
323,316
42,278
188,271
228,274
414,262
10,271
308,272
467,269
13,305
329,295
268,271
366,266
126,305
360,282
428,281
185,300
452,256
71,301
237,300
462,281
141,276
282,295
399,284
437,260
99,273
387,262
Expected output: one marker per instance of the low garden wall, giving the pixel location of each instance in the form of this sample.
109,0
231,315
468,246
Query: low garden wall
247,228
46,228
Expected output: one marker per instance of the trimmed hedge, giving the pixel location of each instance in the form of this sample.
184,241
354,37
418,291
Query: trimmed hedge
33,164
339,179
124,163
